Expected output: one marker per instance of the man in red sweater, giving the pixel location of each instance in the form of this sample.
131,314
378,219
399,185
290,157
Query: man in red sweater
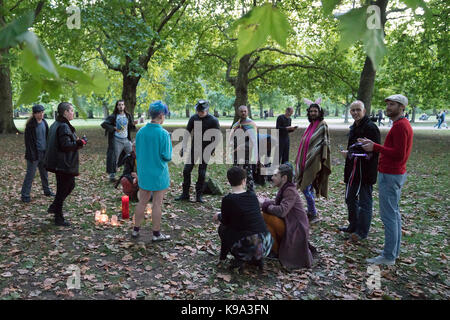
392,175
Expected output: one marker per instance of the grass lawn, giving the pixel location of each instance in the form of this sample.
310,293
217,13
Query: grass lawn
35,255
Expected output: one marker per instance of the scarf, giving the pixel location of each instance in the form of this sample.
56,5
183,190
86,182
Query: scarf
304,143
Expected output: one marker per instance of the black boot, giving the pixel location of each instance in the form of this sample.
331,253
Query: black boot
60,221
199,197
185,195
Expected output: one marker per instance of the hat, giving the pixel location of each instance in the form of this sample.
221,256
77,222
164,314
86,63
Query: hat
202,105
398,98
38,108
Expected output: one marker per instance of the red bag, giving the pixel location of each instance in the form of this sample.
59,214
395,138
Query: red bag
129,188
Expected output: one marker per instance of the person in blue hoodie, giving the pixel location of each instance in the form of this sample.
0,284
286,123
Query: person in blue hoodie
153,153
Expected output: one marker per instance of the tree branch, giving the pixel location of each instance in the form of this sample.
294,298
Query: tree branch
282,52
143,60
15,6
253,63
107,63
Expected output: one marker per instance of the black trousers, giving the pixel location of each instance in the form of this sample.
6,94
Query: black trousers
65,183
284,150
201,176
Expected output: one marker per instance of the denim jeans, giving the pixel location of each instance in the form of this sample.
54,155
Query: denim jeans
389,188
309,195
359,208
31,172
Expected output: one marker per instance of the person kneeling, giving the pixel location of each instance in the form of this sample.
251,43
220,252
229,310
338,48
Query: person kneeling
242,231
288,223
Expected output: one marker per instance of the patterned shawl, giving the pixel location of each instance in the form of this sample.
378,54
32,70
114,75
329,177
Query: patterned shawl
315,167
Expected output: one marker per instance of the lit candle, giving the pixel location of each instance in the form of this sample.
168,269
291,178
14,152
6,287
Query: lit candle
104,218
125,207
114,220
97,216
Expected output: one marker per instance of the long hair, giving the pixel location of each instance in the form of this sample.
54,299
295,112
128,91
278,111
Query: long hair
321,112
116,110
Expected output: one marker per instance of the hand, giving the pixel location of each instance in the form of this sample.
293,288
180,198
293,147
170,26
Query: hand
367,144
117,130
261,200
84,140
216,217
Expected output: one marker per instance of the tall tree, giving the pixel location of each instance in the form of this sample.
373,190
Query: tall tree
7,14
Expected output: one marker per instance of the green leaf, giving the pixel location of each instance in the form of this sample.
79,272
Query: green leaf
374,46
352,26
257,25
53,87
30,92
78,104
10,33
40,53
329,5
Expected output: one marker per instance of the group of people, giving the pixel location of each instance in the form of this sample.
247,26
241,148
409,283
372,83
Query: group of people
251,227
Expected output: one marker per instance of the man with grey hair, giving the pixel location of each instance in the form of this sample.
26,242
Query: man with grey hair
392,175
249,147
360,173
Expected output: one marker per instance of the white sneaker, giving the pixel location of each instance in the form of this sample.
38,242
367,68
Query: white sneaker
380,260
162,237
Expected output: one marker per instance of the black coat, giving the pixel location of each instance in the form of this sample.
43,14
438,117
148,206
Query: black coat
31,152
110,128
62,148
365,129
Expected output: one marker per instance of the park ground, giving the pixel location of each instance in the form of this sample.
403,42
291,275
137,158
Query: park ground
35,255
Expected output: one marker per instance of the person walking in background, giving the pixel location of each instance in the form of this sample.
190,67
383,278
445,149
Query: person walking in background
118,126
61,158
284,122
153,153
360,173
380,117
313,162
394,155
36,132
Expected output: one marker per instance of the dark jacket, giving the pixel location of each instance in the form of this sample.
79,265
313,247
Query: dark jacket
368,168
31,152
295,250
110,128
62,148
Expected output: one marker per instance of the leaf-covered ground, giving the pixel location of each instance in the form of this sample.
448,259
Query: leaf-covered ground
35,255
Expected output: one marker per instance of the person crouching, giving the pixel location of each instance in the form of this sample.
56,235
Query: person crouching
286,219
242,231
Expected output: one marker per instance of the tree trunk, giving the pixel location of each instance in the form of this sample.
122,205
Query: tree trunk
366,84
336,112
261,115
367,80
413,117
6,106
241,86
346,113
188,114
105,109
129,92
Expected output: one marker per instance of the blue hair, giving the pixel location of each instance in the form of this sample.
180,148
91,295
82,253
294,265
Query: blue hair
156,108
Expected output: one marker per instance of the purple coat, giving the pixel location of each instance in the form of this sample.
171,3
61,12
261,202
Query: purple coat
294,251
